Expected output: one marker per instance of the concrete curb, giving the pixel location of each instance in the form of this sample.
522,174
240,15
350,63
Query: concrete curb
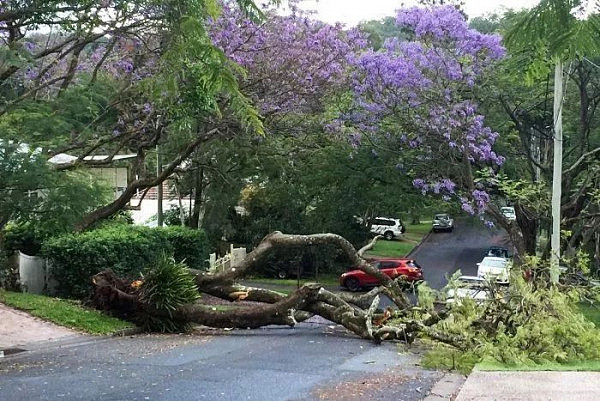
418,246
48,345
447,388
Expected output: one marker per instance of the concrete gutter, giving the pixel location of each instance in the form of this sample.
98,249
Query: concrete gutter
446,388
418,246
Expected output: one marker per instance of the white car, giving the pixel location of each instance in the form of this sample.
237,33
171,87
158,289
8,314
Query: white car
388,227
495,268
468,287
508,212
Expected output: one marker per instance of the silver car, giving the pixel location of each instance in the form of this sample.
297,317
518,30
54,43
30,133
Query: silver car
442,222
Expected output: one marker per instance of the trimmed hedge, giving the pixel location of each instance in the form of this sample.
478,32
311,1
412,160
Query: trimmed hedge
127,250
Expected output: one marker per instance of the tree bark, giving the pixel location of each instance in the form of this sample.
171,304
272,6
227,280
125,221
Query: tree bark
198,189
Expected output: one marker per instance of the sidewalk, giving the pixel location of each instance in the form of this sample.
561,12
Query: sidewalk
18,328
534,386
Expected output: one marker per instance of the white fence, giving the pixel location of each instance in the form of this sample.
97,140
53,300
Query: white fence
232,259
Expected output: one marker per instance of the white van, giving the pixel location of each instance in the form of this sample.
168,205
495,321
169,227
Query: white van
388,227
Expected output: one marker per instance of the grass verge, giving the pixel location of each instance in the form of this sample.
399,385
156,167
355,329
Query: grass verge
583,366
402,247
325,280
67,313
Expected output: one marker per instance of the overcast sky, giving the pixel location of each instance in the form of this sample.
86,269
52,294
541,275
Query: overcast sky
353,11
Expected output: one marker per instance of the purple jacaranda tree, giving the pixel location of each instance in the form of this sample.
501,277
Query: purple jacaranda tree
291,61
110,77
417,96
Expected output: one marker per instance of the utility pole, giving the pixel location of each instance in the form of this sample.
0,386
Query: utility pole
159,189
557,172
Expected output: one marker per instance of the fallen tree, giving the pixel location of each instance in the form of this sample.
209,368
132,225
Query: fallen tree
531,321
359,314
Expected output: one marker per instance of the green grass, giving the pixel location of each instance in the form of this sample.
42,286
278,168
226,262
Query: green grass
583,366
390,249
325,280
399,248
63,312
418,229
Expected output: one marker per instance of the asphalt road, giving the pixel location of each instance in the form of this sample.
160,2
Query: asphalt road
441,254
314,361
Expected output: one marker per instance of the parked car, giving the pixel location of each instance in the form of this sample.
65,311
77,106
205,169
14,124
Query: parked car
388,227
498,251
508,212
468,287
495,268
442,222
393,268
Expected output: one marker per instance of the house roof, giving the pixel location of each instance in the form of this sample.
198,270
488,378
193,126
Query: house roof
63,158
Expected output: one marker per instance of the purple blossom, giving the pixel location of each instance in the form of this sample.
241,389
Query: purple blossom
419,85
467,207
29,46
419,183
294,59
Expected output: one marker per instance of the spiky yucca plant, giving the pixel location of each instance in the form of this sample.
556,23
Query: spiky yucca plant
166,286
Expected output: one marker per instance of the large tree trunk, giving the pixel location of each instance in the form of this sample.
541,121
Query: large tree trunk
357,313
528,223
198,189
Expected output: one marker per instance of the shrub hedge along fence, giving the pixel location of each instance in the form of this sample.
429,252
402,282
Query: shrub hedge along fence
127,250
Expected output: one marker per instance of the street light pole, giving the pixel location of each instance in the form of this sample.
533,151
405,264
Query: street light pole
557,172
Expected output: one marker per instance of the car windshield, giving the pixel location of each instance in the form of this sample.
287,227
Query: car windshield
441,217
494,263
498,252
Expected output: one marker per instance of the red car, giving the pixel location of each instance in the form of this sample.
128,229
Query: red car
393,268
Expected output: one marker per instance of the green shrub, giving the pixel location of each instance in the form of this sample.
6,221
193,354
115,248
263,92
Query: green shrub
22,237
127,250
189,246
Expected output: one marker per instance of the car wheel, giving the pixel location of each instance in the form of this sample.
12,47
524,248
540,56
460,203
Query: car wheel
388,235
435,230
451,229
281,274
352,284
